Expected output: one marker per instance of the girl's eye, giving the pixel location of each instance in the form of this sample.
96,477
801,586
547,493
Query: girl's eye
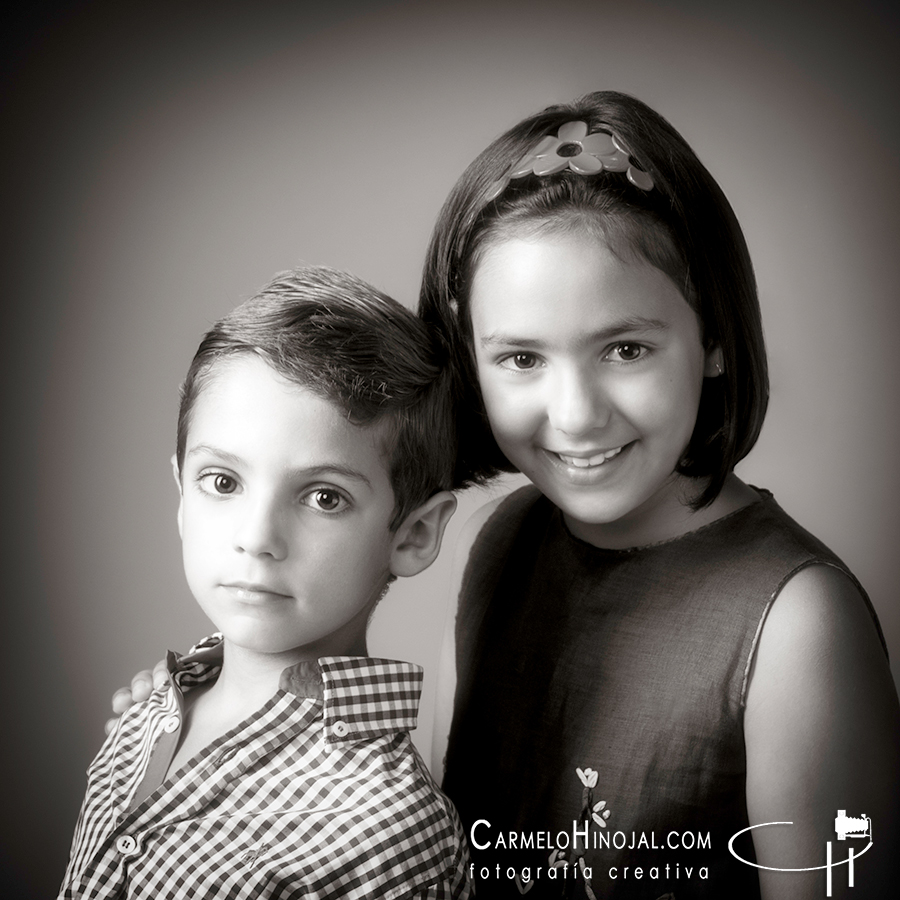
325,499
626,352
521,361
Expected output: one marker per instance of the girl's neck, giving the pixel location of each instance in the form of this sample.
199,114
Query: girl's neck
666,519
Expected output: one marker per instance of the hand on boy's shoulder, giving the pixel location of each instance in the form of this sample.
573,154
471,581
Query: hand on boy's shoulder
142,685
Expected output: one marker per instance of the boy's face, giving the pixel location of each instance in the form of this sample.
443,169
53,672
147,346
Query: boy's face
284,515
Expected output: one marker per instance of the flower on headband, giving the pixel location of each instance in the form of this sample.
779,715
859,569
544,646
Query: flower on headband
586,154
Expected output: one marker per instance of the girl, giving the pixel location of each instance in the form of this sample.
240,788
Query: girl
649,655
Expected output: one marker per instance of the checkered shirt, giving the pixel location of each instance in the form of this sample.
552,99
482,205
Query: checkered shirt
320,793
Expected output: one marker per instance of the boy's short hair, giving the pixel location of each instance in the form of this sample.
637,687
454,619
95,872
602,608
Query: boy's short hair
354,346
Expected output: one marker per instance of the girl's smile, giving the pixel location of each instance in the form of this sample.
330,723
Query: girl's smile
591,369
581,462
585,468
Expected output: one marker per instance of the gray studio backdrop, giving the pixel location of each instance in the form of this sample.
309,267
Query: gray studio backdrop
161,165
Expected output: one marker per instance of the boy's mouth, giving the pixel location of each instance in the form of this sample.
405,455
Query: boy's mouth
247,591
587,462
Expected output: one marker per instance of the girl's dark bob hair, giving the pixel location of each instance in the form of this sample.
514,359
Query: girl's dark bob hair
683,226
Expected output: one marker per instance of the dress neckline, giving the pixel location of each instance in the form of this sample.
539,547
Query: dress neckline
764,496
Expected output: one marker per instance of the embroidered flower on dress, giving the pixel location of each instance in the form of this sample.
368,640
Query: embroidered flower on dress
590,811
598,816
523,887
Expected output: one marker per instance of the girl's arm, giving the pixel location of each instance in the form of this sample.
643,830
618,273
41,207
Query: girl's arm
446,674
822,731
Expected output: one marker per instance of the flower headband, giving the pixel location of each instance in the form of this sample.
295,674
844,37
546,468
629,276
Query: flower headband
587,154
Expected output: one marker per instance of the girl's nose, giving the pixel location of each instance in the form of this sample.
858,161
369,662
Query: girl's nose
260,531
577,403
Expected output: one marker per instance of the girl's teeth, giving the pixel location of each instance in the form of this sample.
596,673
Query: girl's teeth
582,463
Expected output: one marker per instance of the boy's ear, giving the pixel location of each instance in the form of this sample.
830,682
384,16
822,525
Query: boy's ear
418,539
177,475
715,362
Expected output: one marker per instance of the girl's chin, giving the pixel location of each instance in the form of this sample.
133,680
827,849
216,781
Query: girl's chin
611,515
621,520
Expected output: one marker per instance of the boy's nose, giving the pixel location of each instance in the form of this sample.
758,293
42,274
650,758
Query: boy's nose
260,532
577,403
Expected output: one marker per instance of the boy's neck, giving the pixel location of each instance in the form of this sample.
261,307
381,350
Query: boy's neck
247,682
249,679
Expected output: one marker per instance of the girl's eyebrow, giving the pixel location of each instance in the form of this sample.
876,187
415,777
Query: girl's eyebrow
631,324
319,471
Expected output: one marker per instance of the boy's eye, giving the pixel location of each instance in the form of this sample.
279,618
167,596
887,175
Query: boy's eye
626,352
217,483
224,484
325,499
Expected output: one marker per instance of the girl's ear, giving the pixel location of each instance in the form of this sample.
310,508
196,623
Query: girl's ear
715,363
177,475
418,540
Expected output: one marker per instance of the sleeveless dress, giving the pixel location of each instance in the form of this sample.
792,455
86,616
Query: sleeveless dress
598,726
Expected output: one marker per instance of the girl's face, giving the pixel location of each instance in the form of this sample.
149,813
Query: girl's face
591,370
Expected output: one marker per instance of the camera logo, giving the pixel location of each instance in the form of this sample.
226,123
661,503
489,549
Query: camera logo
844,827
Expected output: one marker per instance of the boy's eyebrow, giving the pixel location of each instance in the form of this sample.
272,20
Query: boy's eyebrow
214,451
306,471
631,323
332,469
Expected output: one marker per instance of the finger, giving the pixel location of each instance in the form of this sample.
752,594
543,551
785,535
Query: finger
141,685
110,725
121,700
160,674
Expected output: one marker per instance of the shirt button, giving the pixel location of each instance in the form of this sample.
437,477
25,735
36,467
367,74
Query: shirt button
171,724
341,728
126,844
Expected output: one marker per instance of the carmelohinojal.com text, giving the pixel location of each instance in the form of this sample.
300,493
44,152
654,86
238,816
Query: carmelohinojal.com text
582,838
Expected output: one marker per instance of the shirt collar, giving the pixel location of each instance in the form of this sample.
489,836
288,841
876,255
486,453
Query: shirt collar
362,697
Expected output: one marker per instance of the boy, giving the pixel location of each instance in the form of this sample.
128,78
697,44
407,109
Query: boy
314,459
